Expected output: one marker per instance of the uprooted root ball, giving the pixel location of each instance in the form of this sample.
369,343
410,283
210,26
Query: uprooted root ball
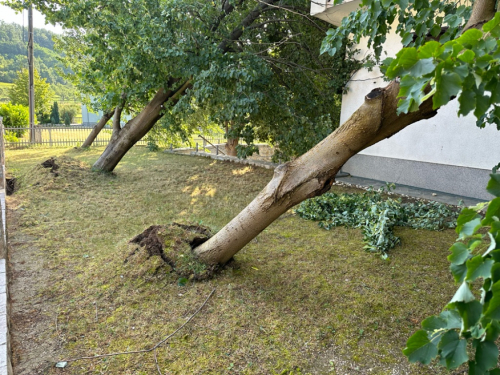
174,243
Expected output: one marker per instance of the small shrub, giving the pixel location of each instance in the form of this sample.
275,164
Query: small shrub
54,115
66,118
10,136
15,116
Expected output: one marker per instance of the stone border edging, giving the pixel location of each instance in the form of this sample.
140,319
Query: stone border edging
5,349
234,159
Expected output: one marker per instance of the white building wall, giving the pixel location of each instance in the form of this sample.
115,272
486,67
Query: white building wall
446,153
444,139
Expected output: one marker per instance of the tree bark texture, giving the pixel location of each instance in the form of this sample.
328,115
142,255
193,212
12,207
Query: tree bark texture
117,119
97,129
313,173
231,143
137,128
482,12
230,146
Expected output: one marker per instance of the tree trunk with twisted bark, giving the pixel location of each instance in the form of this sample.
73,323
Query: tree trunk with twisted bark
97,129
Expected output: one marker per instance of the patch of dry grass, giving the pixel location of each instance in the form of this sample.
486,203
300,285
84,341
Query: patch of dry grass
298,300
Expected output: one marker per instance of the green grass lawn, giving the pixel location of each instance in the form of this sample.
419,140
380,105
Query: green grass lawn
297,300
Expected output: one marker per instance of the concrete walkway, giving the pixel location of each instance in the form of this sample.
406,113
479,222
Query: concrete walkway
411,191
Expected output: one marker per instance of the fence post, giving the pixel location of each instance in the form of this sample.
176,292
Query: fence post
171,147
217,150
196,146
204,143
50,137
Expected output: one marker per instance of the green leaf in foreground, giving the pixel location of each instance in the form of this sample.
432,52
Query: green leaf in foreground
459,253
494,184
420,349
487,355
453,349
479,267
447,85
463,294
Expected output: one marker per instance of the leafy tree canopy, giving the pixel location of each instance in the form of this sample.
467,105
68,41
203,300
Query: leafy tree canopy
444,56
254,63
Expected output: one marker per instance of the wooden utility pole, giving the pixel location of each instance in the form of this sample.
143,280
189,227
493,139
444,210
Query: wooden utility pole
31,74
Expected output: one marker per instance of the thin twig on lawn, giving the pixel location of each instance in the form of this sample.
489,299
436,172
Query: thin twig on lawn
157,365
146,350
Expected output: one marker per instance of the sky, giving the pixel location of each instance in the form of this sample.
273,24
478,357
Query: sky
9,16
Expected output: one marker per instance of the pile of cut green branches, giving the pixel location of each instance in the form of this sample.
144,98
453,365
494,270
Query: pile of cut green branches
376,215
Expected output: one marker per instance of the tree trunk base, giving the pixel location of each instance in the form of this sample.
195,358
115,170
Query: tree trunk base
174,243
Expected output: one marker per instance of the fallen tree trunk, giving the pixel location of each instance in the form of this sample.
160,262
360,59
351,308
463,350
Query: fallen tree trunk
313,173
97,129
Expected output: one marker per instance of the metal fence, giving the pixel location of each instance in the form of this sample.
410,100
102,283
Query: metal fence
214,138
74,136
56,136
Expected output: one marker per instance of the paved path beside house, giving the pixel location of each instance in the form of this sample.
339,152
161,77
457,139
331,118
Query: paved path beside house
411,191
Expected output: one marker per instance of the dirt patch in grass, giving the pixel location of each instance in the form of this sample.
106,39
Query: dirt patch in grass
302,300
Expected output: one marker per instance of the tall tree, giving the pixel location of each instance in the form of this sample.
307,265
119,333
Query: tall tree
54,114
18,93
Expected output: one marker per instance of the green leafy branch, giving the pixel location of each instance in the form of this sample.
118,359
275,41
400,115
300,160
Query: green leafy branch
467,67
376,216
469,327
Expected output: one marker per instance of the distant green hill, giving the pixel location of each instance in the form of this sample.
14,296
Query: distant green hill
13,51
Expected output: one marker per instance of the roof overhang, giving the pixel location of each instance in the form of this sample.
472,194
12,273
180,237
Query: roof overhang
325,10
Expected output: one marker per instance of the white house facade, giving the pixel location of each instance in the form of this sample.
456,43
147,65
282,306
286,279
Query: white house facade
446,153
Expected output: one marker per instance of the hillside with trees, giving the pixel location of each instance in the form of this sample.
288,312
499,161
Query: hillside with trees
13,51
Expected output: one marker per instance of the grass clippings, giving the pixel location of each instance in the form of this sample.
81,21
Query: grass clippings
299,300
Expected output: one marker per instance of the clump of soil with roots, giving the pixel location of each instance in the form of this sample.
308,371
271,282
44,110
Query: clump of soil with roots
174,244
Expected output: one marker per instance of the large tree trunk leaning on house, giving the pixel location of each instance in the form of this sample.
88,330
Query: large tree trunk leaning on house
313,173
123,139
97,129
